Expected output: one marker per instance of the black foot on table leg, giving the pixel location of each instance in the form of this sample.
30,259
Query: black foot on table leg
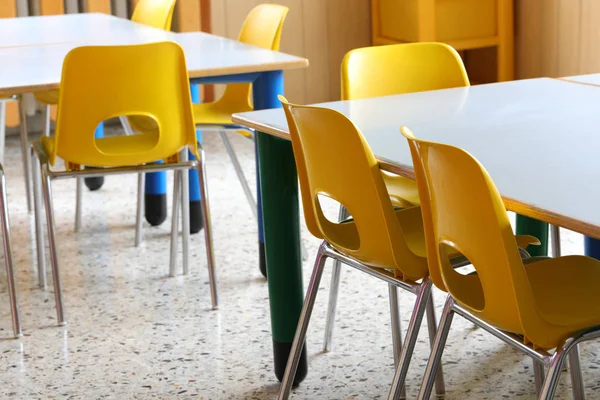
262,259
196,220
156,208
94,183
281,352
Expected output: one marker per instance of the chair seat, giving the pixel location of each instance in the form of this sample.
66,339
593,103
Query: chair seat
219,114
403,191
567,290
411,221
116,151
48,97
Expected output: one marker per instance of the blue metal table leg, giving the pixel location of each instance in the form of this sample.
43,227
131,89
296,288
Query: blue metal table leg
196,221
280,216
591,247
96,183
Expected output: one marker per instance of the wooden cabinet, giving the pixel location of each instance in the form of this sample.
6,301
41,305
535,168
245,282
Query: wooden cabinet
463,24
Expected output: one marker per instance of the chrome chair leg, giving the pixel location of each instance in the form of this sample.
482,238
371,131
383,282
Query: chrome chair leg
555,236
207,229
440,387
46,120
300,337
12,292
39,225
333,292
551,381
331,307
578,387
175,222
539,372
78,199
52,243
239,171
436,352
140,210
25,152
423,295
126,126
2,129
185,210
396,329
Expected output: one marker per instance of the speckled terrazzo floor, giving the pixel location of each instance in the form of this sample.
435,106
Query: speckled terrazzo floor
133,333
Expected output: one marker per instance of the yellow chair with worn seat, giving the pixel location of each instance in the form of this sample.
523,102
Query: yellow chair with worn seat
534,305
262,27
157,90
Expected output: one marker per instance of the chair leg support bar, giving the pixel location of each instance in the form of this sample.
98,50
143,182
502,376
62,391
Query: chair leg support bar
39,228
47,184
10,273
423,295
239,171
175,222
396,329
440,387
207,229
78,199
333,292
436,352
25,152
139,210
185,212
539,372
300,337
576,376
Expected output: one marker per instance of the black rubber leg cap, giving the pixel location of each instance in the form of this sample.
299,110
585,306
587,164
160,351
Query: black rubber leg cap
94,183
262,259
156,208
196,220
281,351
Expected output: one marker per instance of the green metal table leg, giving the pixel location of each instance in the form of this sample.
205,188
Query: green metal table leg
533,227
278,200
279,184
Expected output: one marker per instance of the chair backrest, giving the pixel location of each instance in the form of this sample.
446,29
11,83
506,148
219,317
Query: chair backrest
262,27
462,209
154,13
334,160
401,68
103,82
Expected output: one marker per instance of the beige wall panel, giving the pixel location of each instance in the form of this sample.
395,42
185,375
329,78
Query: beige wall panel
528,36
349,27
320,30
317,78
569,39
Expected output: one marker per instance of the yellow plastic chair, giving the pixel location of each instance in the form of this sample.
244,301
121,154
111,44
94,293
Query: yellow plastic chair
85,103
262,27
379,240
535,306
401,68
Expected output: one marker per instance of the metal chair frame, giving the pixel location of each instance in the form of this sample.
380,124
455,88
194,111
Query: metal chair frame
10,273
541,359
402,353
43,176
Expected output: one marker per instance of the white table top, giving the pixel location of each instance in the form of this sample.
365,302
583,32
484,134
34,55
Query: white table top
32,67
537,138
92,27
591,79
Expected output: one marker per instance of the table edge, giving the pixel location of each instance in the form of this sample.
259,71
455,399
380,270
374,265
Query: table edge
516,206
